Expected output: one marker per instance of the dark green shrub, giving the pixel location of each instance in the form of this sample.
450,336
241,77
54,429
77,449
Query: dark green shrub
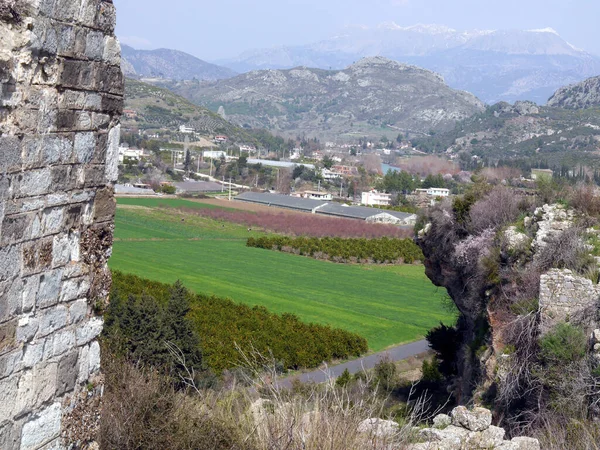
431,371
563,345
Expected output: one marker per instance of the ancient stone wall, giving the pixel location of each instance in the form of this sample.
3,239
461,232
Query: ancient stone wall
565,296
61,92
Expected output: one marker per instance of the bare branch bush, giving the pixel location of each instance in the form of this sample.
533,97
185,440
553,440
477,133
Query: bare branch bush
499,207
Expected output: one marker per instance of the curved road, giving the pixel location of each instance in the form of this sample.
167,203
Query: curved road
368,362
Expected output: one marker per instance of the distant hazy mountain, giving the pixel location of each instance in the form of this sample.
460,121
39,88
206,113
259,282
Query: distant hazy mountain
172,64
578,96
494,65
372,97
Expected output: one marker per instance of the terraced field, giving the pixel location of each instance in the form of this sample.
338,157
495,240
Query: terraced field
385,304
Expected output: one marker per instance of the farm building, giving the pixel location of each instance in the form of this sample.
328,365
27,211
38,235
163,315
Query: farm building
329,208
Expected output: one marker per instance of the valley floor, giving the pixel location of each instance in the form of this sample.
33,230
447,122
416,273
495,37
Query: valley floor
387,305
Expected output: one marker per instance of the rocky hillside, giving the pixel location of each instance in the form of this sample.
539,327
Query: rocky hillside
578,96
159,108
525,282
523,131
494,65
170,64
369,97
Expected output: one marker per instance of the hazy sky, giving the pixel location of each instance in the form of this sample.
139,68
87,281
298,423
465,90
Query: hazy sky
214,29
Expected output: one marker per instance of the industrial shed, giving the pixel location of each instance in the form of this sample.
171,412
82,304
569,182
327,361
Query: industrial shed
373,215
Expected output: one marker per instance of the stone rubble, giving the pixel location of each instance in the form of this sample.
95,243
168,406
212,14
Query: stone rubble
468,430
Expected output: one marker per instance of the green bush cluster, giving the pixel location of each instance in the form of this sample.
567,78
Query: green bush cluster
222,324
383,250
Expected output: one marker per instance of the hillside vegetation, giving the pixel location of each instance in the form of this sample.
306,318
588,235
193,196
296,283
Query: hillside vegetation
158,107
369,96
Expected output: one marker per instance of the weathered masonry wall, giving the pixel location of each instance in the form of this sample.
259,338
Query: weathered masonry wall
61,92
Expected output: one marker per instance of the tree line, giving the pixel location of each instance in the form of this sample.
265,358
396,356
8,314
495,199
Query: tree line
210,331
380,251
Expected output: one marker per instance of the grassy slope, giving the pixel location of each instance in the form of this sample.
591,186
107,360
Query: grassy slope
386,305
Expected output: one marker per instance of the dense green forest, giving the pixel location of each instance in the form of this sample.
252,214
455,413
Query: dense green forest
379,251
143,315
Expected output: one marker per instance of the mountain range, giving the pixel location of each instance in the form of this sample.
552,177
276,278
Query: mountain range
495,65
169,64
374,96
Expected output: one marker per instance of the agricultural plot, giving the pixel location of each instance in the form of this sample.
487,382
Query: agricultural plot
385,304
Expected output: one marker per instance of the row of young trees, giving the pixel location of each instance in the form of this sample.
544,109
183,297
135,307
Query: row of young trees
145,318
381,251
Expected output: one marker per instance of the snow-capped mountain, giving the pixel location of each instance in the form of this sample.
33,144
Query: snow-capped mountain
493,64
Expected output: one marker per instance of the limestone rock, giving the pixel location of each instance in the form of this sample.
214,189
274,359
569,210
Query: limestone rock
442,421
478,419
378,427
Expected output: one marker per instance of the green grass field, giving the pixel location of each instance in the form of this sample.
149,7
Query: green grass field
385,304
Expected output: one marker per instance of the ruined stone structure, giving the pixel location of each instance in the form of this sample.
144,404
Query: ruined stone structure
61,92
565,296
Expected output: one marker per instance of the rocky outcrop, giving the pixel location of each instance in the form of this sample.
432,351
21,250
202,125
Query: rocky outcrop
578,96
61,92
469,430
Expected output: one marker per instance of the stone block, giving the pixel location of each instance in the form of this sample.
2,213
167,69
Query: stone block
10,299
61,250
112,155
100,121
37,256
83,121
52,220
68,370
35,182
61,177
94,45
73,217
94,176
106,17
70,99
110,79
89,331
112,104
74,289
42,428
49,290
10,154
66,120
66,40
16,228
53,319
57,149
93,102
104,205
10,363
85,146
27,328
112,51
36,387
10,436
101,147
94,357
78,311
62,342
8,394
8,334
84,364
66,10
30,289
9,262
33,354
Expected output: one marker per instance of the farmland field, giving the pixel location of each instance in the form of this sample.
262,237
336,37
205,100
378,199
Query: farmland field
385,304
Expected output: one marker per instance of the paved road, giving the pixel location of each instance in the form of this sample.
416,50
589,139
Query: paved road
368,362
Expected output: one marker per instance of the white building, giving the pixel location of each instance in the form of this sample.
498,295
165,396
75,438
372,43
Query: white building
248,149
214,154
434,192
317,195
128,153
374,198
186,130
330,175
